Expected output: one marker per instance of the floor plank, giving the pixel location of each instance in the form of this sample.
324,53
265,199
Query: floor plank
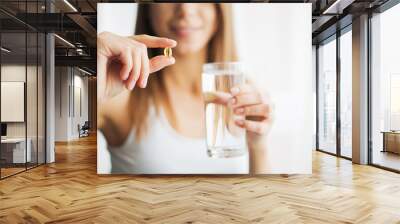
70,191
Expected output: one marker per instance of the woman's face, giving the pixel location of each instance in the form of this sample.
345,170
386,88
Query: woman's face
192,25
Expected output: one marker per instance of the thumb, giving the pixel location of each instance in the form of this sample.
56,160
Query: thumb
159,62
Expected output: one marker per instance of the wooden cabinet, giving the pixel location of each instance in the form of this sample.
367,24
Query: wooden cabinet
391,142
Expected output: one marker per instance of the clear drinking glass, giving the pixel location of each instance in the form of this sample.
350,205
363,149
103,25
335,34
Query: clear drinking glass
224,138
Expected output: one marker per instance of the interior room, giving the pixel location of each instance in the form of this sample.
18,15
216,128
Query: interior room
385,90
22,100
49,118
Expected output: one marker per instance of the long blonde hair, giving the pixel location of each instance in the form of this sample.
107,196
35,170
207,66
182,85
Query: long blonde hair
220,48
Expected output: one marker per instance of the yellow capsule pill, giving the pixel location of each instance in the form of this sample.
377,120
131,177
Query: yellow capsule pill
168,52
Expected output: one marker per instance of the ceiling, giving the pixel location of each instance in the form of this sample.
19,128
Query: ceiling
76,22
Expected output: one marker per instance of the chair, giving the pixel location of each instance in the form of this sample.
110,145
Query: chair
84,130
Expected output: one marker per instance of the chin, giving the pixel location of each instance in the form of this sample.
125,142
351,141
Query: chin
186,49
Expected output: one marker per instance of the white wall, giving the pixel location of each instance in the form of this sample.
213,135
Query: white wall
314,88
61,103
390,48
33,127
80,84
116,17
275,41
12,99
12,73
68,81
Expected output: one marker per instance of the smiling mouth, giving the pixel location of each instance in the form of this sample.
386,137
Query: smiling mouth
185,31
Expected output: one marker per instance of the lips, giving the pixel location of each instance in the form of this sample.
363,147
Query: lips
185,31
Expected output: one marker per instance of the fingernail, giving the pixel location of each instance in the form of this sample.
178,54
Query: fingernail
235,90
124,77
232,101
240,111
240,122
173,60
132,85
144,83
171,41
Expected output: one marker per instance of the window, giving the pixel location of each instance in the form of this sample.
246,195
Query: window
23,89
395,102
327,96
346,93
385,89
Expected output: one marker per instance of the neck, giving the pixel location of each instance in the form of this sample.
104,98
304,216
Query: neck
185,74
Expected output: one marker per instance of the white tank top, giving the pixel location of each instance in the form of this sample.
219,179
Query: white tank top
162,150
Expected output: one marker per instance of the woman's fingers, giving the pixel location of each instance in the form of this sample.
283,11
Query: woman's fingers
144,72
155,42
242,89
245,100
133,57
253,126
217,97
261,110
135,72
141,66
130,54
256,118
126,61
251,105
159,62
244,95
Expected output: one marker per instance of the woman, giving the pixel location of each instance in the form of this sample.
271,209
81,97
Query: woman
156,123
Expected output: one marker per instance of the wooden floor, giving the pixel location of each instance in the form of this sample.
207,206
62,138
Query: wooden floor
70,191
387,159
5,172
8,171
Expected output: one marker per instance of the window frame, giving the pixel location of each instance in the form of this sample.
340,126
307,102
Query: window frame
334,37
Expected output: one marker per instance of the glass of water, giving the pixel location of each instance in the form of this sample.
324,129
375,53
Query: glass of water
224,138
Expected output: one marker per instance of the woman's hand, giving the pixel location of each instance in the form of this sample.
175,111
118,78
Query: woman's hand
247,101
257,120
123,61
